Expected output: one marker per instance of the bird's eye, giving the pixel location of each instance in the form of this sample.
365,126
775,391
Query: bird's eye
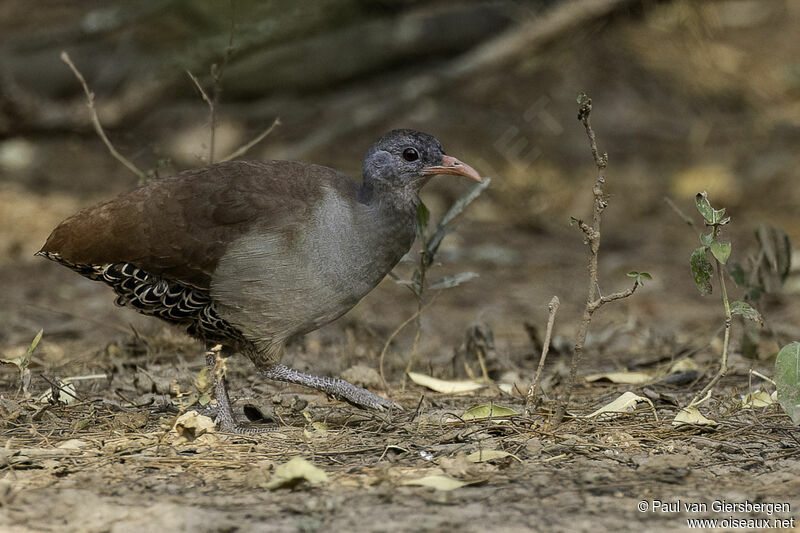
410,154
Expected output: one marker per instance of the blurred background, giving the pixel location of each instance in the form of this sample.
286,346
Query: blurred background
688,96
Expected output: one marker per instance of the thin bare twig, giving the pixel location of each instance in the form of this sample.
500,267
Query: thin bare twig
96,120
595,305
245,148
211,112
686,218
216,74
529,400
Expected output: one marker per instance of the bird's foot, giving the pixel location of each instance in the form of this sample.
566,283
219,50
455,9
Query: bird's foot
336,387
224,411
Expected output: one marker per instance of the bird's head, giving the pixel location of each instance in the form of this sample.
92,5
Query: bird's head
406,159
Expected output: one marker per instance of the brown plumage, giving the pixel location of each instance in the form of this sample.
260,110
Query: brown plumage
250,253
179,227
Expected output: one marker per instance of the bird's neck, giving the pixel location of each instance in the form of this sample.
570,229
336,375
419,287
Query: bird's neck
388,199
390,216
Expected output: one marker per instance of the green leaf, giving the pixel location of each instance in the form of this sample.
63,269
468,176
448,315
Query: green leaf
442,228
639,276
720,250
707,238
704,206
423,217
447,282
745,310
712,216
35,342
787,380
458,207
701,270
23,361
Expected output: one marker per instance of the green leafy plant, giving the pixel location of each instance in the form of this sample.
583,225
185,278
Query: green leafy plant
431,237
707,261
787,380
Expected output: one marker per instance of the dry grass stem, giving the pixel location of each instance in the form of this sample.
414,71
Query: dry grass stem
396,332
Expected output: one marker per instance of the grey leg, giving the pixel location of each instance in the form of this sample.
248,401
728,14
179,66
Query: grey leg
338,388
227,422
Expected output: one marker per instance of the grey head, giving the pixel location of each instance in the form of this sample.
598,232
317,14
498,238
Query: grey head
403,160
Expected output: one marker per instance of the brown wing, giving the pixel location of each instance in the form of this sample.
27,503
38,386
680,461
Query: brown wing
179,227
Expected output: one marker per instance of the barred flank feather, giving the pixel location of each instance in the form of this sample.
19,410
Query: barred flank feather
152,295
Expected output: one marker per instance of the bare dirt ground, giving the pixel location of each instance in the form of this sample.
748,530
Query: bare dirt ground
111,462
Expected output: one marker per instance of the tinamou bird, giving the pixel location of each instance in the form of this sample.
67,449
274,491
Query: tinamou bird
249,254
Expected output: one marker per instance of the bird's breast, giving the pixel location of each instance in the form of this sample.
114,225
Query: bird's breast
277,282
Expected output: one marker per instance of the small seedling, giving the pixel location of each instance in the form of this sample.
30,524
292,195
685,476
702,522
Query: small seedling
22,362
706,261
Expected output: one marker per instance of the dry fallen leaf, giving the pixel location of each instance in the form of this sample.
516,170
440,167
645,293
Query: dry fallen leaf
624,403
74,444
66,394
444,386
625,378
683,365
691,416
295,471
481,456
192,425
437,482
757,399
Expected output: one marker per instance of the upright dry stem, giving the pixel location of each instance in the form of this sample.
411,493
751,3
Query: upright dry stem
592,239
531,397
